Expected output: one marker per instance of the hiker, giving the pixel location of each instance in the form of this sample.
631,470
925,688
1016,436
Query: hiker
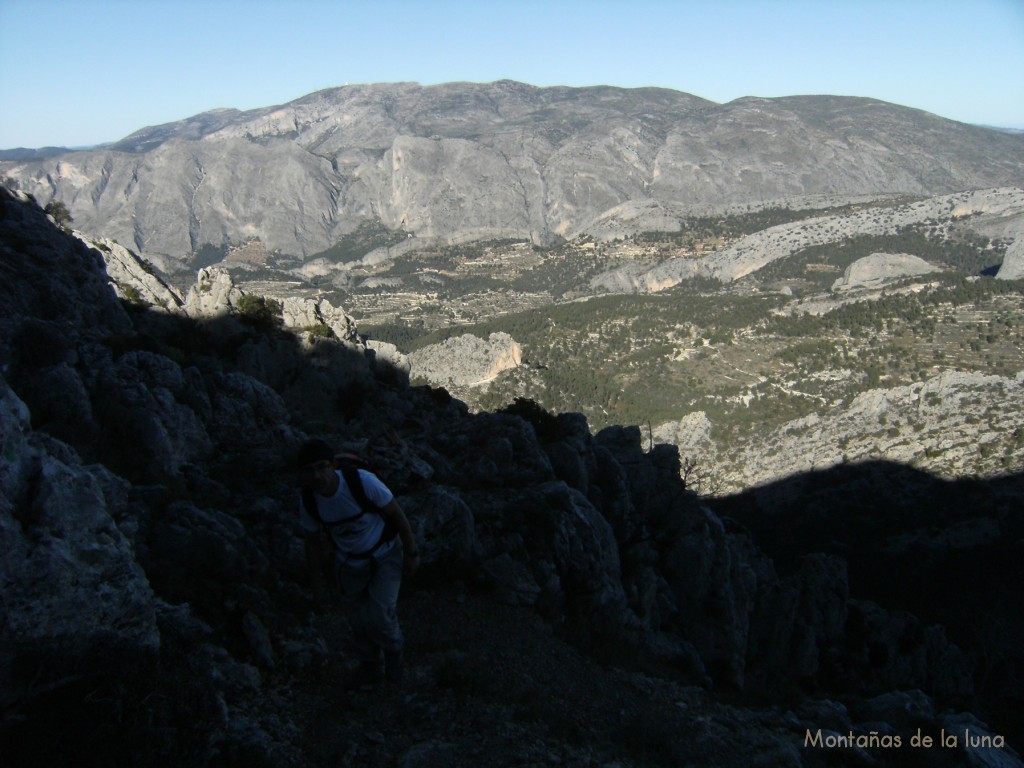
373,545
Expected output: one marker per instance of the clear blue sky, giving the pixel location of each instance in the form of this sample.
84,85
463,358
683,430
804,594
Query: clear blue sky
80,72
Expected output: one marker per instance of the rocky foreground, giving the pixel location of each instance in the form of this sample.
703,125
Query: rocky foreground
577,606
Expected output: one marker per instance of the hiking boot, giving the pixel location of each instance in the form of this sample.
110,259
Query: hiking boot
393,666
367,673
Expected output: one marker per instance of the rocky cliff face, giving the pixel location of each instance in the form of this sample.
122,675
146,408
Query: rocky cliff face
466,360
156,611
463,161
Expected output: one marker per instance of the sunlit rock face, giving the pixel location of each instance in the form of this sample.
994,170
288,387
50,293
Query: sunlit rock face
466,360
1013,262
878,269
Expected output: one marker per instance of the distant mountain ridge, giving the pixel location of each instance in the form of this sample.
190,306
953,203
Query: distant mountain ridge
464,161
27,153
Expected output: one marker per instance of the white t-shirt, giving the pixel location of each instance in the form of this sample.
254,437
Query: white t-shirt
364,530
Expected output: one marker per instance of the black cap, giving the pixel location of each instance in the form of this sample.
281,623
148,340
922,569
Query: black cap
313,451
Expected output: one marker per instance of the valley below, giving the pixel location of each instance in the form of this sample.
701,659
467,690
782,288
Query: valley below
821,352
731,277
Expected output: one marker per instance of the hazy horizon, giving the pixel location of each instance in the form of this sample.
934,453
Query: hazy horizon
91,72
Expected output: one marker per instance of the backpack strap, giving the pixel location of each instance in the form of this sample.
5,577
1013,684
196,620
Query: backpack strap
355,486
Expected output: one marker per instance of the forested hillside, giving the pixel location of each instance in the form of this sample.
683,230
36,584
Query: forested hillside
756,354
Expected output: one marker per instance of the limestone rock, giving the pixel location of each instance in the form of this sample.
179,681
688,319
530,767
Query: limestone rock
148,396
213,294
810,609
878,269
708,576
466,360
59,267
937,424
302,314
692,434
389,354
1013,261
72,585
444,525
133,279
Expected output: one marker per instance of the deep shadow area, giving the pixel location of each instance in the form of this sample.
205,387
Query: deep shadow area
950,552
89,405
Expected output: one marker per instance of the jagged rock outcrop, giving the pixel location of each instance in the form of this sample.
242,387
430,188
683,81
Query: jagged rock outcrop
134,280
897,529
691,434
466,360
876,270
390,355
177,452
304,314
213,294
301,176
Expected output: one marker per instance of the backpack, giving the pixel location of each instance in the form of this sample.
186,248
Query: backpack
349,465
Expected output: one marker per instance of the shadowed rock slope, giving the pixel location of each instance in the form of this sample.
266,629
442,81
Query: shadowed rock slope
577,605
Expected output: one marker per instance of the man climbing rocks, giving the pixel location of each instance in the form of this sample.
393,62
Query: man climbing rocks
373,545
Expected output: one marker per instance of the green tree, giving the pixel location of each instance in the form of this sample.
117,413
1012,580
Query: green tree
260,312
59,212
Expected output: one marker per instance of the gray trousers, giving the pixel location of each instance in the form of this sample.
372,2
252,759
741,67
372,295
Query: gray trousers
369,600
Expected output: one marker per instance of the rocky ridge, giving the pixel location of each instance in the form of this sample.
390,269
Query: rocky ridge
214,294
755,251
143,483
939,425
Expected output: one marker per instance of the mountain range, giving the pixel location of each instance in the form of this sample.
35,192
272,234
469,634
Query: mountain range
457,162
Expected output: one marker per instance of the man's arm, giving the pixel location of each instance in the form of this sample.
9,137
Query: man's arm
394,514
